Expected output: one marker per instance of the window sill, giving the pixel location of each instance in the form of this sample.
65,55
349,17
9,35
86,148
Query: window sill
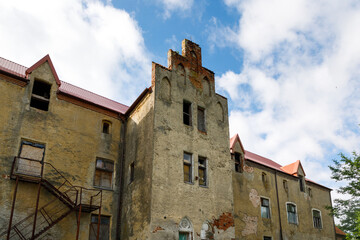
104,188
191,183
203,186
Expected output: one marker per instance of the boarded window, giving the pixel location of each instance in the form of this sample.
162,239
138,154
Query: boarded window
187,167
165,89
220,112
187,113
291,213
40,96
237,159
104,227
202,171
31,158
265,208
201,119
317,219
103,173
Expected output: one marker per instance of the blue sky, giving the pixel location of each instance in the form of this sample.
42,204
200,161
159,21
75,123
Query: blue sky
290,69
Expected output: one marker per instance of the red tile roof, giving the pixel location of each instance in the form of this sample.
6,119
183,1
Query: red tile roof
338,231
263,161
67,88
91,97
233,140
13,68
293,168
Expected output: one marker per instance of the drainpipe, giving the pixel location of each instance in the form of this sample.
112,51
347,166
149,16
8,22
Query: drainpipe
277,197
121,178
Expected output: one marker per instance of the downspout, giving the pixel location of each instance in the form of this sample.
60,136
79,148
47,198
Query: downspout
277,197
121,178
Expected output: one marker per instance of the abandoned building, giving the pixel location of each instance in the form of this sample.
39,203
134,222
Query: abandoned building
76,165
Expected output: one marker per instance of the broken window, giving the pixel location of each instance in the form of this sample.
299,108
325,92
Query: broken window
132,172
202,171
291,213
201,119
302,184
187,167
265,208
40,96
103,173
237,159
187,113
317,219
106,127
104,227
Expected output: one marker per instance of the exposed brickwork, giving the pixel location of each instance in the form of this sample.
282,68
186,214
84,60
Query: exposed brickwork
224,221
158,228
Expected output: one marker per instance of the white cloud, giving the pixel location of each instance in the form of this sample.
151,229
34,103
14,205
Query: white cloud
92,44
171,6
297,94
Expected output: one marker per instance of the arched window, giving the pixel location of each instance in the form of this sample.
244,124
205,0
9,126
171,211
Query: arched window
165,89
185,229
220,112
181,71
106,126
206,86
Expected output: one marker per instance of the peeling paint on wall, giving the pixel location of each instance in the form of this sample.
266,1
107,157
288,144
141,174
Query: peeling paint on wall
254,198
248,169
224,221
251,225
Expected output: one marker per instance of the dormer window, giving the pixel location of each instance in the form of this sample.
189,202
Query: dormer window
40,96
302,183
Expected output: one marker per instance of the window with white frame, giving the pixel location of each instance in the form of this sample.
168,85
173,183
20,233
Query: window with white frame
291,213
317,218
265,208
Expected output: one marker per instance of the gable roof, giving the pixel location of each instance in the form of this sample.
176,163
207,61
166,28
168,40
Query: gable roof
233,141
64,87
293,168
339,231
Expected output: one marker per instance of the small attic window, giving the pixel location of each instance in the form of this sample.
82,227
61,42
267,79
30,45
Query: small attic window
106,127
40,96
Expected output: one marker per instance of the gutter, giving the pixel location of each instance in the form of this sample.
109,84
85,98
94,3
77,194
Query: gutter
277,197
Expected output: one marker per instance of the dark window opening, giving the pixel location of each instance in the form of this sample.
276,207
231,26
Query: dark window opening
40,95
317,219
103,173
187,113
132,172
202,172
264,177
237,157
104,227
265,208
285,184
301,182
106,127
267,238
187,167
201,119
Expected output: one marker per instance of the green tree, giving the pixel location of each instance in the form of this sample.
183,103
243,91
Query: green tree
347,170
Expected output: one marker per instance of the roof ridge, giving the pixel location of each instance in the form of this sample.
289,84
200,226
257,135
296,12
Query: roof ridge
94,93
263,157
14,62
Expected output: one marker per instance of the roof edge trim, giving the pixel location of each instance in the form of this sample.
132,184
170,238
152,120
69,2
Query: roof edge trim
40,62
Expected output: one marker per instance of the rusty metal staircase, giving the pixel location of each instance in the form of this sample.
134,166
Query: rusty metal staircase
65,198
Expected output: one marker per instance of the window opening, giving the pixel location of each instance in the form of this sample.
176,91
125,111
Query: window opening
285,184
291,213
263,177
202,171
103,173
104,227
31,157
317,219
237,162
265,208
187,113
106,127
201,119
310,192
267,238
302,184
187,167
132,172
40,96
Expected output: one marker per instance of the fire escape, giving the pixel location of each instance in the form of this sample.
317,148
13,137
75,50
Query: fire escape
65,198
